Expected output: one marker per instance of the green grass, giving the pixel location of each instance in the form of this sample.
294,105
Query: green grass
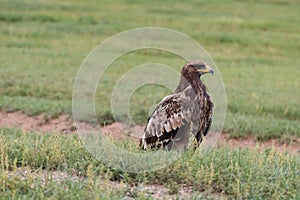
224,173
254,44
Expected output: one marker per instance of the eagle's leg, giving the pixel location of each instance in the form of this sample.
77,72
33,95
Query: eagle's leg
168,145
180,139
199,138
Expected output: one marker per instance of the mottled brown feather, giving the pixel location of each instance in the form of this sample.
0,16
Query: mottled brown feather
187,110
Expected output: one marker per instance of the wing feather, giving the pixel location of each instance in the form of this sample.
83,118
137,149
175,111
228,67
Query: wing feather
168,117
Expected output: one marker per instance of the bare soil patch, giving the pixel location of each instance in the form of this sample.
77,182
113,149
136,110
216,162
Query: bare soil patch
39,123
291,145
65,125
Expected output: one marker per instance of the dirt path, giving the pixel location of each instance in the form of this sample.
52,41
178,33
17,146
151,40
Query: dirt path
40,123
64,124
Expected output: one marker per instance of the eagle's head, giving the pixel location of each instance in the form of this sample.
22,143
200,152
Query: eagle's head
196,69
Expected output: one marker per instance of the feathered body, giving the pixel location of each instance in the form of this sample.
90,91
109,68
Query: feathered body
187,110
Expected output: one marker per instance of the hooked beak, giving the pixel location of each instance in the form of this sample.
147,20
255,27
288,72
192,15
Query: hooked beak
208,69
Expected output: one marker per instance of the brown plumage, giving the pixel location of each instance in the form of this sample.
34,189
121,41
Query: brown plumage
187,110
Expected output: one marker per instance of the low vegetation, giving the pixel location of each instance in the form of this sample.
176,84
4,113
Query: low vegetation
30,160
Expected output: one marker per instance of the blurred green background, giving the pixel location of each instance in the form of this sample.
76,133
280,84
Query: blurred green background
255,44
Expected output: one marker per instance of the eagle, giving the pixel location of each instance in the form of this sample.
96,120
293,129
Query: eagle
187,110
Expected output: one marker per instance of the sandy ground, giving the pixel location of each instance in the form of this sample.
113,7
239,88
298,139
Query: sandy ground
64,124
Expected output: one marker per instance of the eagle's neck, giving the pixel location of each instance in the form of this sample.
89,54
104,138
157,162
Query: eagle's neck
183,84
186,81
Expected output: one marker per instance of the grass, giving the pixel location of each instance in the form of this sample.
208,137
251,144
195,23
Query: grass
223,173
255,45
255,48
